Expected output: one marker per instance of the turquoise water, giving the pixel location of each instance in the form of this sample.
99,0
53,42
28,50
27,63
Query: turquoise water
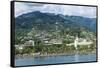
55,59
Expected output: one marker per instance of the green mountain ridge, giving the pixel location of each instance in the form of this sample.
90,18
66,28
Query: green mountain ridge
52,24
34,18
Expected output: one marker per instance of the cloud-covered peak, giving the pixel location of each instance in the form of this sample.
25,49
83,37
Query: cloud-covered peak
85,11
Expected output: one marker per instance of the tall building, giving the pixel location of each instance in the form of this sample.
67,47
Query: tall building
76,42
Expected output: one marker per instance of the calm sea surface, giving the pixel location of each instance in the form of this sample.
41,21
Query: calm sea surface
55,59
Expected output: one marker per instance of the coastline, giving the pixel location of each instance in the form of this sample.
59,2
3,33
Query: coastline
53,54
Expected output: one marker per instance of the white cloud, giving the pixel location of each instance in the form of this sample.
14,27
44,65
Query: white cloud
21,8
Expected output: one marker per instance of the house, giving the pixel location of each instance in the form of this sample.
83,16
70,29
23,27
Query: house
29,43
55,41
20,47
52,41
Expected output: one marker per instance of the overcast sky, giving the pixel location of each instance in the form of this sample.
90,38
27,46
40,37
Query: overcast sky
85,11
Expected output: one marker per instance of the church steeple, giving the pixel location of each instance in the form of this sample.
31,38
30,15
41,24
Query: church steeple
76,42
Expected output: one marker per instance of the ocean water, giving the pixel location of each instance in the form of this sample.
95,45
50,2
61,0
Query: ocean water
54,59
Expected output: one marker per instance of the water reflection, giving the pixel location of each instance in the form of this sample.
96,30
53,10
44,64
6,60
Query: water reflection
55,59
76,57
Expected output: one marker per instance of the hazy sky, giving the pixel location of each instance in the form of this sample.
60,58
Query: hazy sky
85,11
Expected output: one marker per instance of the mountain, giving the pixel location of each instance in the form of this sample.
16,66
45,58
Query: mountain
44,19
50,23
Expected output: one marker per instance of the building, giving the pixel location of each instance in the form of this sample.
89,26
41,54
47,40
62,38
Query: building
20,47
29,43
80,41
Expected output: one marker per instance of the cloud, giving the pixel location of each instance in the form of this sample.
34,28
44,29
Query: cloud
21,8
85,11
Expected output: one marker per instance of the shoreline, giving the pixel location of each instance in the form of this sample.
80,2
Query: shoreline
49,55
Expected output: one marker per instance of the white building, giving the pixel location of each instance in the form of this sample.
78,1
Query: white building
76,42
20,47
29,43
80,41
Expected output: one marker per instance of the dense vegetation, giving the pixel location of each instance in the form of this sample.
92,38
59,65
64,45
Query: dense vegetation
55,49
